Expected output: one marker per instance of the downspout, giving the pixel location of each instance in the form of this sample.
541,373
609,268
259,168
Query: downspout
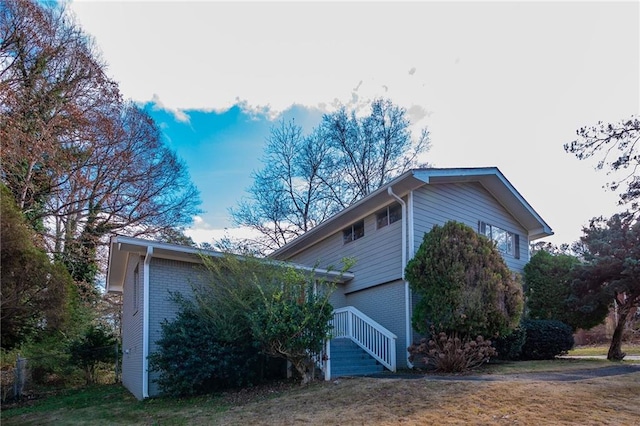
407,293
412,250
145,324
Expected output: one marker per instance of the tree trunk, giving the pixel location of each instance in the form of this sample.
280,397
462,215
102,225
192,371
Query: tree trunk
615,350
306,369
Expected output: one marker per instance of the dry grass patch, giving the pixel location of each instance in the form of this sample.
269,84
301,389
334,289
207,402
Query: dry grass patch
419,400
611,400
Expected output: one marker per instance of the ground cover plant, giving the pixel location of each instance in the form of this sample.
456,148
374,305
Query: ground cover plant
387,401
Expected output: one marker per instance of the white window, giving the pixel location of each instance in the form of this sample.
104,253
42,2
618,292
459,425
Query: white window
353,232
389,215
507,242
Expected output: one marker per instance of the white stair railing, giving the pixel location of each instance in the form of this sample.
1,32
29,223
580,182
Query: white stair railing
377,341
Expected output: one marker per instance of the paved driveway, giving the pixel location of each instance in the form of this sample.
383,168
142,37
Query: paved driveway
557,376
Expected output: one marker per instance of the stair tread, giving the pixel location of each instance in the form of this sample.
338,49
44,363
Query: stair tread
349,359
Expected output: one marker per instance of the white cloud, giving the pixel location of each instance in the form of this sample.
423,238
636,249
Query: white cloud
179,115
203,232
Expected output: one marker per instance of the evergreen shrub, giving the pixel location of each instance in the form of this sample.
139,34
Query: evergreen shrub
193,359
546,339
509,347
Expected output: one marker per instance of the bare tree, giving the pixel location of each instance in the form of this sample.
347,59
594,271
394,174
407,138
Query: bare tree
370,151
80,162
308,178
288,196
127,182
619,144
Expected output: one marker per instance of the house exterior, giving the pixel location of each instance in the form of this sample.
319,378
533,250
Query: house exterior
373,301
383,231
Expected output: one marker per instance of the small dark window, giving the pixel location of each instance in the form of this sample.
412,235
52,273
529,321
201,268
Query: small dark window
353,232
136,289
382,218
395,213
389,215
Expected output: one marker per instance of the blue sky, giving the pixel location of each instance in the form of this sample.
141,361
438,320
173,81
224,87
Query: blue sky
497,83
222,149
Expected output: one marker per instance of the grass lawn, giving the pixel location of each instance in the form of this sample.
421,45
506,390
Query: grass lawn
591,350
387,401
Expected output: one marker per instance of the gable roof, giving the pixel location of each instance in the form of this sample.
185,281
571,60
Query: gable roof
121,247
491,178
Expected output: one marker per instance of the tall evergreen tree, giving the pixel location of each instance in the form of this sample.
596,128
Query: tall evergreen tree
609,275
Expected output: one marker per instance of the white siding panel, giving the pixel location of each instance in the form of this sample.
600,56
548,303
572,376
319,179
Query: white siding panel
466,203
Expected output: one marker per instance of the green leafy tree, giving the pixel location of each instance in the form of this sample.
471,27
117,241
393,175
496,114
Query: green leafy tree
80,162
545,339
285,310
195,356
292,322
243,307
610,274
547,283
36,293
463,284
96,346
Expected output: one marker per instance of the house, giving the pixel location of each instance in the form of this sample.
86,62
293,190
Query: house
372,320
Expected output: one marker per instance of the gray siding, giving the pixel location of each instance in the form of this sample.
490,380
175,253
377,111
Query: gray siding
378,255
165,277
132,328
466,203
385,305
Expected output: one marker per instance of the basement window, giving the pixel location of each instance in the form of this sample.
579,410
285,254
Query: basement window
353,232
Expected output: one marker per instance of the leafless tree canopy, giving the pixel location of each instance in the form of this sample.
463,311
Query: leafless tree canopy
619,145
307,178
80,161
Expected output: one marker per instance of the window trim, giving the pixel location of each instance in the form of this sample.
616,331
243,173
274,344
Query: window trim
387,215
349,233
512,238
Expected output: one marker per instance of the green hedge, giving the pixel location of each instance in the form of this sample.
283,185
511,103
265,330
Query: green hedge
509,347
192,359
546,339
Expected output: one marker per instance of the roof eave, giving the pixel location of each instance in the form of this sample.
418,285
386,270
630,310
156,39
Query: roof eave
121,247
491,178
358,210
